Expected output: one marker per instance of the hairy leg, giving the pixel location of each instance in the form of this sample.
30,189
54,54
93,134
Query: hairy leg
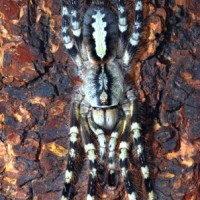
135,36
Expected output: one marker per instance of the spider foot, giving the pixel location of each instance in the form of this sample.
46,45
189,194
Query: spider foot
112,179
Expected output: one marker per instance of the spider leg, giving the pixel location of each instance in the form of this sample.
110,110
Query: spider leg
135,36
122,25
123,156
67,38
137,138
101,138
112,146
74,131
90,150
143,163
102,147
76,28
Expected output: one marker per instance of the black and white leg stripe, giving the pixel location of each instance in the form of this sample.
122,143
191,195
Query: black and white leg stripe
135,36
67,39
122,25
71,162
90,150
72,148
100,137
136,110
76,29
112,148
122,18
112,145
123,157
135,127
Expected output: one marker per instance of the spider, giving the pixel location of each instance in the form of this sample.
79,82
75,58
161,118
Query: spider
104,102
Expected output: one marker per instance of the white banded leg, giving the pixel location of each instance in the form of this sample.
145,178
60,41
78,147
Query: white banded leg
76,29
135,127
90,150
122,24
67,38
112,176
136,113
135,36
124,162
102,149
74,131
100,137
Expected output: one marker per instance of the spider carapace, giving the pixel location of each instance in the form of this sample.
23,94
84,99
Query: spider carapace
105,102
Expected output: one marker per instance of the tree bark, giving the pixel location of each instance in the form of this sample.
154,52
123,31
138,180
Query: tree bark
37,80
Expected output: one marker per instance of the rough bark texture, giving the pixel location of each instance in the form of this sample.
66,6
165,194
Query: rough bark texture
37,80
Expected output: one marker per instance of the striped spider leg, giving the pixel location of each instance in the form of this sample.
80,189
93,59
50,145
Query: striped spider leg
89,149
80,127
115,135
133,129
101,139
123,154
134,39
137,138
71,30
112,175
122,26
74,132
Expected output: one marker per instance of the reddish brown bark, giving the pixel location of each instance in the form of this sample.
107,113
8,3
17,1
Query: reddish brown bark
36,91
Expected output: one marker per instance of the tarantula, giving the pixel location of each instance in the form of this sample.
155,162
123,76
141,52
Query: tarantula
105,102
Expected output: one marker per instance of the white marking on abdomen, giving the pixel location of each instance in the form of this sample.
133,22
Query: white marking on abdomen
99,34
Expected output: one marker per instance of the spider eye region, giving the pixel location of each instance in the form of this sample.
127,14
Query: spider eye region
104,97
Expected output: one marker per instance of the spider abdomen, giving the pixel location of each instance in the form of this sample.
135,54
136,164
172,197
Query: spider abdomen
100,33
